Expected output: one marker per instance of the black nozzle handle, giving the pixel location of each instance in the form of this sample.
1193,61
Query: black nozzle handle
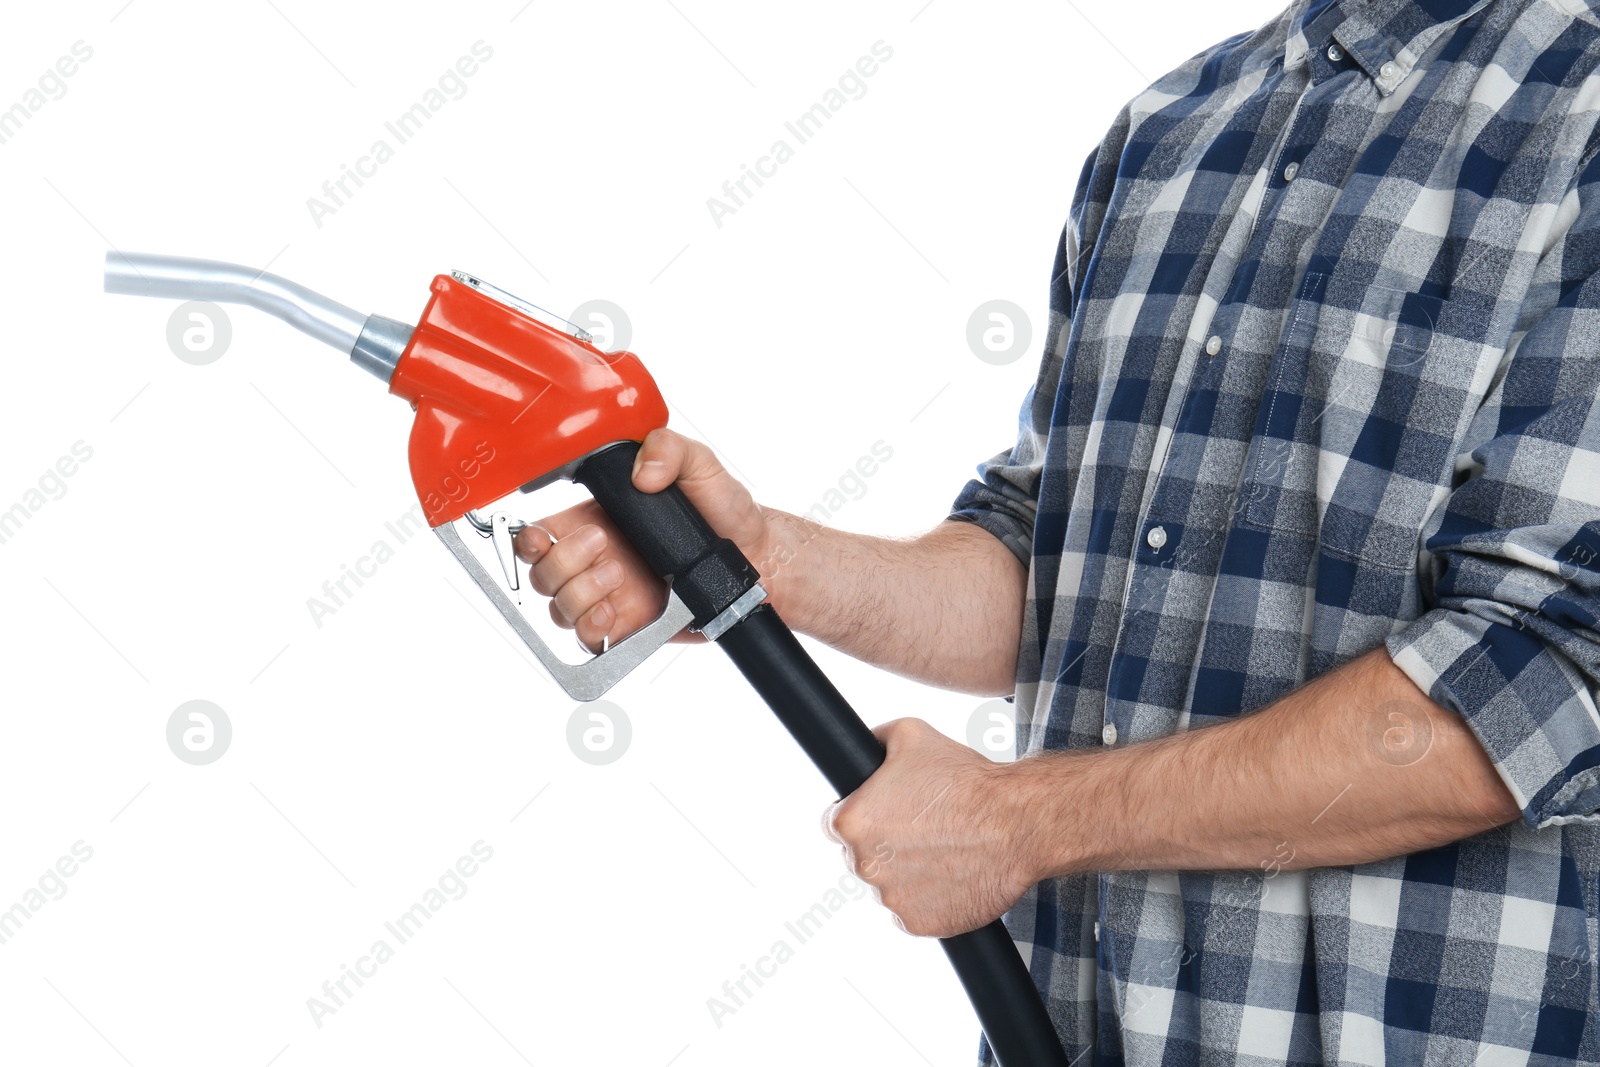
709,573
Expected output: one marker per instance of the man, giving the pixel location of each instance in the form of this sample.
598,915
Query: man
1300,545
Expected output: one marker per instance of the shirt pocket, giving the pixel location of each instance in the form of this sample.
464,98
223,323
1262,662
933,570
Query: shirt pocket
1357,430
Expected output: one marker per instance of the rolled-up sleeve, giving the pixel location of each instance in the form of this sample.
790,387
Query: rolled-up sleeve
1511,640
1003,498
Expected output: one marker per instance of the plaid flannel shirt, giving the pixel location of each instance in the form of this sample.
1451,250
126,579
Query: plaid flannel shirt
1321,375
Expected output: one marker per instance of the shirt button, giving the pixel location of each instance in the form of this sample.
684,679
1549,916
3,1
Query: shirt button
1097,930
1387,71
1335,53
1213,345
1108,733
1156,537
1290,171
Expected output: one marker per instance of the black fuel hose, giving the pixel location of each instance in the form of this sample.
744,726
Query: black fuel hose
709,573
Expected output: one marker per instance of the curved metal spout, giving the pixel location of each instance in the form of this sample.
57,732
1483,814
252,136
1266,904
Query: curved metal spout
183,278
372,341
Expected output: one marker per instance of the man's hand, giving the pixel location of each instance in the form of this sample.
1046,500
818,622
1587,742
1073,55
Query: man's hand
599,586
944,607
1355,766
934,832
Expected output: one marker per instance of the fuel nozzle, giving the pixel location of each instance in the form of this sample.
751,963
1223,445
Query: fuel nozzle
508,397
373,342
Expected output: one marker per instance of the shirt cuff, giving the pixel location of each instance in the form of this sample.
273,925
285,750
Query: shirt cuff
1000,507
1527,705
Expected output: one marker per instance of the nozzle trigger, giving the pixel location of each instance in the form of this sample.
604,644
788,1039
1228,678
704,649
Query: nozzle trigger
503,535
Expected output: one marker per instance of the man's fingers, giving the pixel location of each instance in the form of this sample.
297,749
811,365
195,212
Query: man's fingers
595,626
586,589
904,732
659,460
532,542
666,457
536,536
563,561
828,815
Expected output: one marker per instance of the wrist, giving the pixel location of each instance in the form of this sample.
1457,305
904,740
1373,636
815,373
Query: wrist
781,561
1062,807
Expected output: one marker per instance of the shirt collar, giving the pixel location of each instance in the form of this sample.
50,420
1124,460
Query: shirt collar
1385,38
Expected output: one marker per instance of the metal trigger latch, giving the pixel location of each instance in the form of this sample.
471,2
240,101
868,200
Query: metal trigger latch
502,529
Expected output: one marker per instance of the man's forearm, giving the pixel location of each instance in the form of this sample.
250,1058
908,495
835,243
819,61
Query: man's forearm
1356,766
944,607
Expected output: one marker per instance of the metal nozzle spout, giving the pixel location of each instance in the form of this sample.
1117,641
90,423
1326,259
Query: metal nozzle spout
183,278
373,342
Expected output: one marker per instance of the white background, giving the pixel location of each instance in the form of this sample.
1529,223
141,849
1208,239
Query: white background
368,754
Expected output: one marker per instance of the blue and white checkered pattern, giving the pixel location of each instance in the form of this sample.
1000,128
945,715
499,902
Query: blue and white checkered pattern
1327,314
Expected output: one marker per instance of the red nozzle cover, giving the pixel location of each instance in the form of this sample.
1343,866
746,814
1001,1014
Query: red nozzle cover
503,399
